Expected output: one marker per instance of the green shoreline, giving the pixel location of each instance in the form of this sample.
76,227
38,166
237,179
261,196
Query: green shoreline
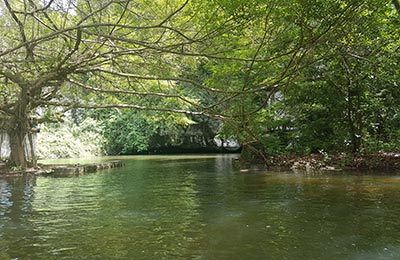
59,170
328,163
372,163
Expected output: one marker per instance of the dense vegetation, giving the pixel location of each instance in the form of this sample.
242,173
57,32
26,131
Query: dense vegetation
278,76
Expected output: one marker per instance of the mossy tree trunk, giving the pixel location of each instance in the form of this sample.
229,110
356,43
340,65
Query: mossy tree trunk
18,156
18,129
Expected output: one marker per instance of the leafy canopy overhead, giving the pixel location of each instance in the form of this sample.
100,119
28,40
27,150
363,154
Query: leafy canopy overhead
224,59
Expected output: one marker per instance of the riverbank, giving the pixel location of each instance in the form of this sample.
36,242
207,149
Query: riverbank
321,162
337,162
59,170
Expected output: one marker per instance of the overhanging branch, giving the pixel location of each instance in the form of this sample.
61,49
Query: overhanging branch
29,53
71,105
396,4
134,93
181,79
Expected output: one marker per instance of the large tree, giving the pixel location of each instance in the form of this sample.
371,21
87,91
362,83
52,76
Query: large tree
59,54
55,53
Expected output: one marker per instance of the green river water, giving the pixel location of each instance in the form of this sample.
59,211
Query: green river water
199,207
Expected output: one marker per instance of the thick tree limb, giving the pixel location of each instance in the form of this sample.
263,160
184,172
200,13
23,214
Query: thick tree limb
16,78
6,109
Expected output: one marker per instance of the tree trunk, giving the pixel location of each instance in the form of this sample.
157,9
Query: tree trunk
32,154
17,146
350,120
354,119
18,129
22,148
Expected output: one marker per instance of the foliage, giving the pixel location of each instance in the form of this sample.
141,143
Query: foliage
58,55
336,89
70,140
281,76
346,100
128,132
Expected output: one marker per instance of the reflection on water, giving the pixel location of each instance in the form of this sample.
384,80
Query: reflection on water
169,207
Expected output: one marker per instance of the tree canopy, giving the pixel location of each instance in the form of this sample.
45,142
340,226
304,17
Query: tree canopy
278,74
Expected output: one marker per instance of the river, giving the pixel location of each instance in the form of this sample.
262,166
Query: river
199,207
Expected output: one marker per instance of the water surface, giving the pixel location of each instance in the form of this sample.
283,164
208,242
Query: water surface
199,207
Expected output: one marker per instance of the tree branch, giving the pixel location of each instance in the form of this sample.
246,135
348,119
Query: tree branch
37,10
75,49
71,105
16,78
174,13
156,47
29,52
396,4
181,79
135,93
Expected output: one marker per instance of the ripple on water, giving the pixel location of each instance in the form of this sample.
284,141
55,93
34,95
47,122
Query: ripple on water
169,208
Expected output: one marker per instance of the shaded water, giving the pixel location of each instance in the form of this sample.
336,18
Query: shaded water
199,208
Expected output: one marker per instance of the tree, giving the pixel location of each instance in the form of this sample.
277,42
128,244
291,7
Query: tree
55,52
57,55
292,38
343,100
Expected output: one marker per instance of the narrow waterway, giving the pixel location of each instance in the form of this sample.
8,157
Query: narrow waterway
199,207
